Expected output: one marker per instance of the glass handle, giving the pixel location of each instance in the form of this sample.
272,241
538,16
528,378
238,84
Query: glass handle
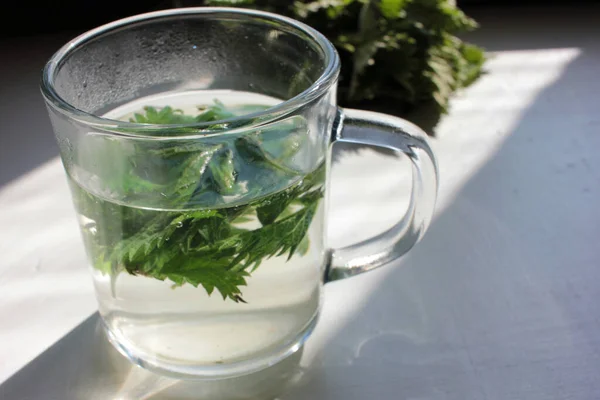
405,138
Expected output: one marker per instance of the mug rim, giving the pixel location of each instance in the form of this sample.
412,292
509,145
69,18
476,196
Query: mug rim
327,78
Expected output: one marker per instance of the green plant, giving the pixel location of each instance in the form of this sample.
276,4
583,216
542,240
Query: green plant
396,54
209,247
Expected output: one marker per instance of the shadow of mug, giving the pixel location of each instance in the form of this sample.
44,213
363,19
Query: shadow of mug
84,365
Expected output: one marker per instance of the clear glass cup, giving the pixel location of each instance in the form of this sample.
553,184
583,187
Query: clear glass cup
205,232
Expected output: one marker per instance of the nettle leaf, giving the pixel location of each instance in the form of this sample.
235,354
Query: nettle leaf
208,273
268,213
205,247
332,8
164,115
442,78
252,151
360,30
275,239
375,70
223,171
391,8
472,67
192,170
215,112
170,149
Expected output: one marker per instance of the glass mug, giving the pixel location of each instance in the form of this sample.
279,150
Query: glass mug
197,143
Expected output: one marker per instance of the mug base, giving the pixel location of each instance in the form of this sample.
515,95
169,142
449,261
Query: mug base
213,371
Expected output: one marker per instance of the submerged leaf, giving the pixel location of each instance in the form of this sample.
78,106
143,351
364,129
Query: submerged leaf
205,247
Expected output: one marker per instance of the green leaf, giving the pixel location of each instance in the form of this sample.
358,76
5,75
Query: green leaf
223,171
385,48
214,112
210,274
251,149
391,8
275,239
192,171
205,247
368,22
271,208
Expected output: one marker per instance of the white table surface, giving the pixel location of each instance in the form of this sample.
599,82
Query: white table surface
498,302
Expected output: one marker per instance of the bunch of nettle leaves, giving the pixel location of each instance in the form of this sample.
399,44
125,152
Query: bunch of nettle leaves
397,55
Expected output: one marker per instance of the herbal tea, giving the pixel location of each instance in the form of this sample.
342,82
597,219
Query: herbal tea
205,251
